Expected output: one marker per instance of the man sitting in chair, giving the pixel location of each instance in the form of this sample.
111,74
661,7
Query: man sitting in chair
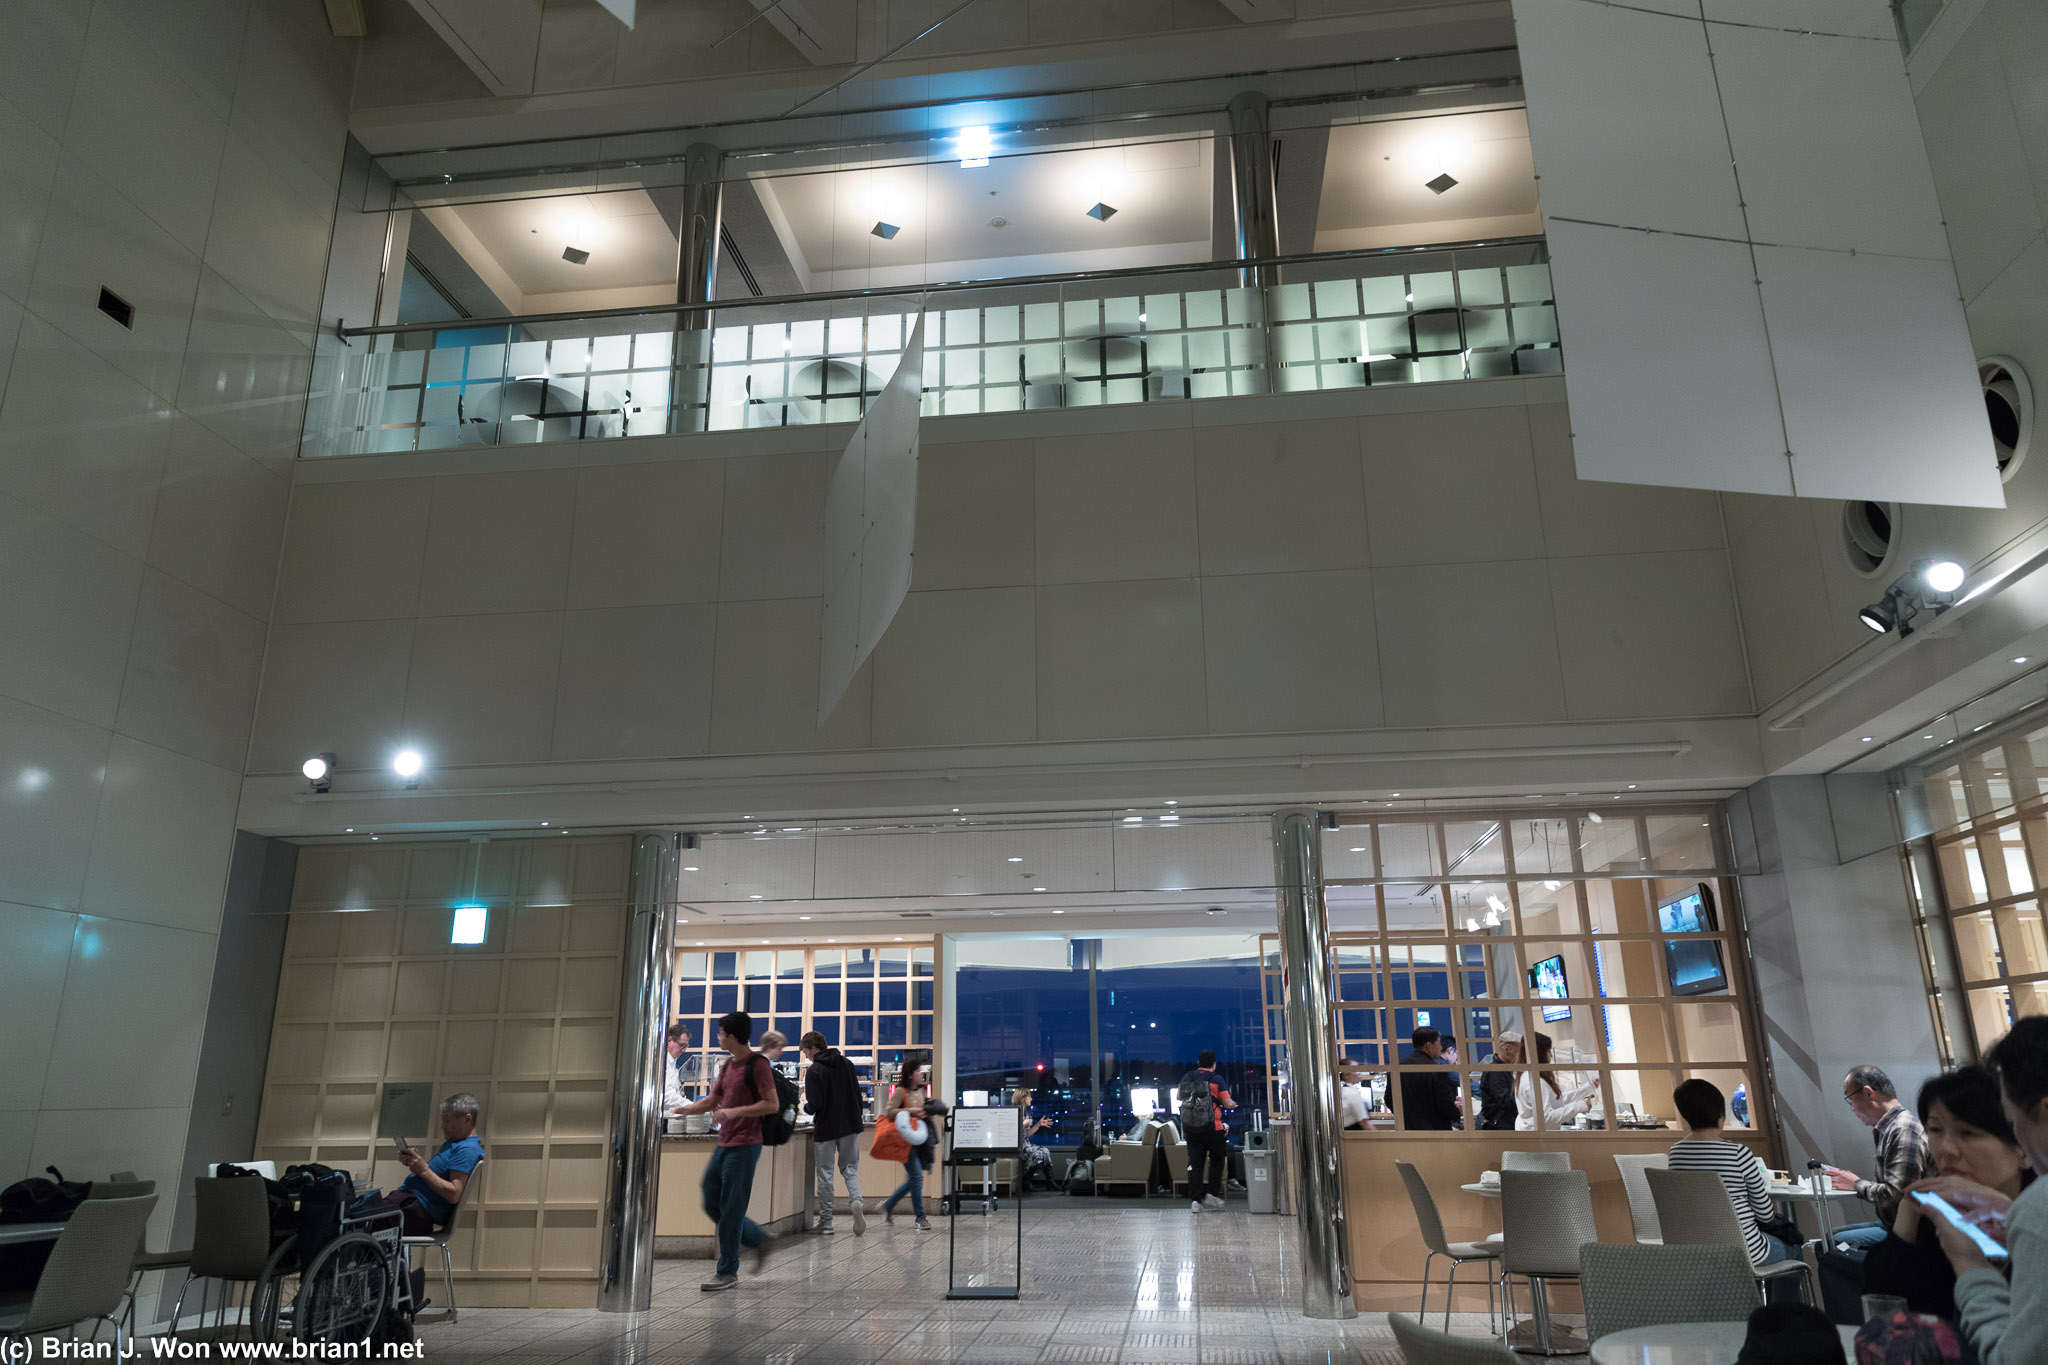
429,1195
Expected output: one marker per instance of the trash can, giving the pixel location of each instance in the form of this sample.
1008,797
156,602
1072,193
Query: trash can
1261,1176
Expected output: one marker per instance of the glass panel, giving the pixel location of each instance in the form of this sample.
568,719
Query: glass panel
1352,908
1414,909
2020,939
1480,907
1609,845
1557,970
1542,846
1709,1031
1636,1034
1736,1090
1475,848
1683,841
1552,906
1485,970
1977,949
1408,851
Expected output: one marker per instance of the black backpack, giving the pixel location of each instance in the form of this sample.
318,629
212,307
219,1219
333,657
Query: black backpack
36,1200
776,1128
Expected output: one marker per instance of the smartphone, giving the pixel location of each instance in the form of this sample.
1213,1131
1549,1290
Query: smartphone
403,1145
1986,1243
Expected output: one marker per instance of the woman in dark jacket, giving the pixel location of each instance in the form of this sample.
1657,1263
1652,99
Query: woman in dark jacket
1967,1137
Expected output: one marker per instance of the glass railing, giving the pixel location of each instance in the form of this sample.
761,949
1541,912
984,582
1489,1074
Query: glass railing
1351,320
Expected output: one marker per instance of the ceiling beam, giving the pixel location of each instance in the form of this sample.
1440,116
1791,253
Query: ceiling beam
498,40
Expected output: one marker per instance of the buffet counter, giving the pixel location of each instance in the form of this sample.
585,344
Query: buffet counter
785,1189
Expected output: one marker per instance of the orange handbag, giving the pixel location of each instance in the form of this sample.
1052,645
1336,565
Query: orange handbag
889,1144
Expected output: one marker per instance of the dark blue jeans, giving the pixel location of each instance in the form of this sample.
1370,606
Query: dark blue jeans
728,1185
913,1185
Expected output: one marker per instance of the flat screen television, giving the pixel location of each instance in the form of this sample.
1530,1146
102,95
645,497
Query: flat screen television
1694,965
1547,982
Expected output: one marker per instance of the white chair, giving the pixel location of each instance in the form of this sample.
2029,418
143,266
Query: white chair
439,1238
1625,1287
1546,1216
1421,1346
1693,1209
86,1277
1642,1208
1458,1253
1535,1161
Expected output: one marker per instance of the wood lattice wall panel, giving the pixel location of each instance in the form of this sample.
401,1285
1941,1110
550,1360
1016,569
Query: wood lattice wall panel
372,990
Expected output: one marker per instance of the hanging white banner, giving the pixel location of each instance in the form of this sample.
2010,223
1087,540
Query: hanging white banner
870,525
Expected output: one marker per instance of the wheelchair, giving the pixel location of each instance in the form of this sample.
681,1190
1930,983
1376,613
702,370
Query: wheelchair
356,1288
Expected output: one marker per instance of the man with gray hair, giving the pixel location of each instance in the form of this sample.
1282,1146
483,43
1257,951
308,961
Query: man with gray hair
1901,1151
429,1195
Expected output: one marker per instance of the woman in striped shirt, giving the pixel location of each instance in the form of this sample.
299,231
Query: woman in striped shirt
1702,1107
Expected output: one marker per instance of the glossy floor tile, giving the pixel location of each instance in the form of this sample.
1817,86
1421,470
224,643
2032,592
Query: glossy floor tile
1121,1286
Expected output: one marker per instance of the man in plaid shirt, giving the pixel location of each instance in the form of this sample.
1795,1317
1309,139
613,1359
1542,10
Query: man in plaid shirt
1901,1151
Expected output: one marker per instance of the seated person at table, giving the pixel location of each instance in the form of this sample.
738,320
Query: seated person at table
1702,1109
1901,1152
429,1195
1968,1138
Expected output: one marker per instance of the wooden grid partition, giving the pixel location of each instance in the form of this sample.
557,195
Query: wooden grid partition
1447,922
374,991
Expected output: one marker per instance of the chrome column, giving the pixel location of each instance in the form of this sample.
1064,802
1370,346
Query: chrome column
696,279
626,1278
1312,1066
1251,178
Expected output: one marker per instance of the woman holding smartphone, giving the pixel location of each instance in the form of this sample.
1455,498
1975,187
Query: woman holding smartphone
2006,1321
1969,1140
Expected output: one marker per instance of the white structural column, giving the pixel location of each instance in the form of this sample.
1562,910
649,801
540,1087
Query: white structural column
1749,261
870,526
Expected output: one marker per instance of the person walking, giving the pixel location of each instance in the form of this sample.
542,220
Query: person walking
908,1096
742,1094
1203,1099
832,1099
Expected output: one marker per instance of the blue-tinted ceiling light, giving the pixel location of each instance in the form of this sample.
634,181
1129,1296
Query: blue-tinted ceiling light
885,230
1102,213
470,921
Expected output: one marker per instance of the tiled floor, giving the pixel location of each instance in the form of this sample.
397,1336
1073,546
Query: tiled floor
1151,1283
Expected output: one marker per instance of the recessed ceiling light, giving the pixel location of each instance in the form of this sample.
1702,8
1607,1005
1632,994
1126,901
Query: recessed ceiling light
1059,912
1441,183
1927,736
2020,659
885,230
1102,213
899,938
575,255
753,898
1870,739
1040,888
1358,850
1393,793
1172,803
689,869
1016,860
352,829
956,810
1631,786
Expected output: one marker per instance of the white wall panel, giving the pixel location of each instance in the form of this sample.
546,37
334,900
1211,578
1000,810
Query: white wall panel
1881,400
1826,142
1639,142
1671,378
1857,18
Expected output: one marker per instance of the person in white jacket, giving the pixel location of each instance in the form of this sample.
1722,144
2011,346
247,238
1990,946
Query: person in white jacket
1560,1106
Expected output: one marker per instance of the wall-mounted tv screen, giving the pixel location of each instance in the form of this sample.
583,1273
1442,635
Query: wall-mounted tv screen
1694,965
1547,982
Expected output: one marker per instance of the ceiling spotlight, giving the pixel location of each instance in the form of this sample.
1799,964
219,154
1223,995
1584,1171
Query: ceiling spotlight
885,230
1102,213
2019,658
1217,910
975,144
1878,617
1551,885
1016,860
407,764
1870,739
319,770
1942,575
1441,183
575,255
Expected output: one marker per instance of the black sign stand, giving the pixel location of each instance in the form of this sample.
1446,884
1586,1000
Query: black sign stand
985,1158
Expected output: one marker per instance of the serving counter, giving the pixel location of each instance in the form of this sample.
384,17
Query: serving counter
785,1189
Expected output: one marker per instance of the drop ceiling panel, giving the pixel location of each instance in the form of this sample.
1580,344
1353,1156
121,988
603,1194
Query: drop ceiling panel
1375,182
1881,398
1670,378
1827,143
1625,117
971,862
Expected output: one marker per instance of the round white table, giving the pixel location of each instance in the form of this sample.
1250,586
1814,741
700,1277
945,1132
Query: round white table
14,1233
1684,1343
1490,1191
1821,1201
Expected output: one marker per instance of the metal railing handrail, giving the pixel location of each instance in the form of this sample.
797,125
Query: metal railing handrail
937,287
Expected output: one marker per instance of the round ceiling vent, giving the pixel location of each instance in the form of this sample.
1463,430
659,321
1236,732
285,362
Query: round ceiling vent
2009,404
1869,533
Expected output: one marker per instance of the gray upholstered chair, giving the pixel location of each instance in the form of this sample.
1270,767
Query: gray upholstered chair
1535,1161
1637,1286
439,1237
1693,1209
1546,1216
86,1277
1642,1209
1127,1163
1459,1253
1420,1346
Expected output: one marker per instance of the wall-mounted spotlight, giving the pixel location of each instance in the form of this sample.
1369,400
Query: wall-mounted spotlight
319,770
407,763
1930,585
1102,213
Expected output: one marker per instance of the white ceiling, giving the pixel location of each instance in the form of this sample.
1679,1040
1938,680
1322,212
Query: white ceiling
1375,191
517,244
1162,193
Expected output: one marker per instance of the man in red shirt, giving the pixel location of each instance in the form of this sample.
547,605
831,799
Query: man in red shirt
742,1094
1208,1147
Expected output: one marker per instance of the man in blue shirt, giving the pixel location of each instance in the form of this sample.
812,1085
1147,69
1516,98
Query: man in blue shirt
429,1195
